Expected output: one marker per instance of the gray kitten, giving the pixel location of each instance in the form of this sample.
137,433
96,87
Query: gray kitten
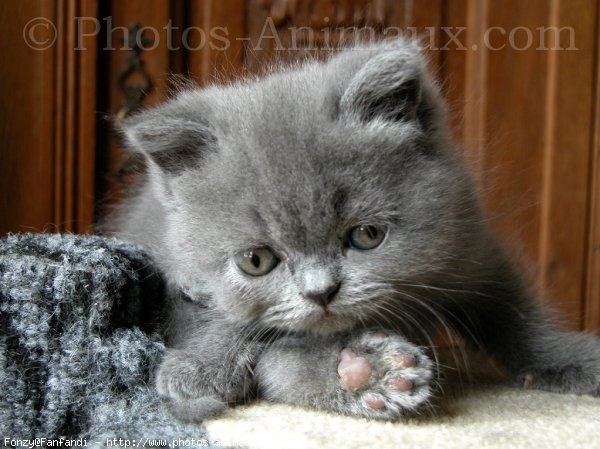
316,227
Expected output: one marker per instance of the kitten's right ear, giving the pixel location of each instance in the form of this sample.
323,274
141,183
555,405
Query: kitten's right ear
170,136
387,82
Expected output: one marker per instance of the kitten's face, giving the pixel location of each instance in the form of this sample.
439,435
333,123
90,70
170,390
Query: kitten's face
317,205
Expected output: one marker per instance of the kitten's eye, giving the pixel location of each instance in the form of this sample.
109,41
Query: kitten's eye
256,261
365,237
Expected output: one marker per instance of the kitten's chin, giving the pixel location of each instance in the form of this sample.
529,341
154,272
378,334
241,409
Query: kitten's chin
325,322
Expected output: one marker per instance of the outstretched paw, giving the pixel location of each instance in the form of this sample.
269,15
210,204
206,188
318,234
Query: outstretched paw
179,379
384,375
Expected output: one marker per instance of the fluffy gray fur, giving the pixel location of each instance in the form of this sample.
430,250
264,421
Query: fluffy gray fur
292,161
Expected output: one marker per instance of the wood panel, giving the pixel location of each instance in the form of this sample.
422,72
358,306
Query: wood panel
569,125
464,69
47,117
216,49
592,310
74,118
525,126
26,181
512,156
286,30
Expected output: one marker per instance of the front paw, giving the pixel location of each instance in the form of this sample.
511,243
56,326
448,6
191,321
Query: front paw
188,396
179,378
383,376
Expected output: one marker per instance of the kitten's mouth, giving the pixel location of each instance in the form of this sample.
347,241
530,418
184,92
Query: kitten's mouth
325,321
327,314
324,314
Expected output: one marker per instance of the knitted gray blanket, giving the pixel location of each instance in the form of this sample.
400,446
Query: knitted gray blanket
79,343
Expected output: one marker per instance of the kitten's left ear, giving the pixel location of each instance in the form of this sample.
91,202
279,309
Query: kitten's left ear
391,85
173,136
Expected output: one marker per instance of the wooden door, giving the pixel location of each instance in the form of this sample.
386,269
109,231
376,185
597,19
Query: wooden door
521,79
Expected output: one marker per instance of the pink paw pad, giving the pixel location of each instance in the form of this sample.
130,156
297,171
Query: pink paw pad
403,361
354,371
399,384
382,375
373,401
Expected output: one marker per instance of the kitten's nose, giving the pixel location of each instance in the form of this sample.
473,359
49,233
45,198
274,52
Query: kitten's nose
322,296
